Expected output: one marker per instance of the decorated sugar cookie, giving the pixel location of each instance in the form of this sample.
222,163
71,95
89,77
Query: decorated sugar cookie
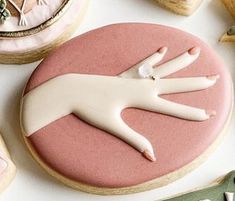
17,8
126,108
182,7
7,168
229,36
29,29
221,190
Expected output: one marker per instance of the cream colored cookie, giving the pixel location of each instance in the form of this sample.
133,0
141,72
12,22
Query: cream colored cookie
110,110
7,168
229,36
230,5
182,7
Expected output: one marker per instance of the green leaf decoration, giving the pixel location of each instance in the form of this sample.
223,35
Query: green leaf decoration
4,12
3,4
213,193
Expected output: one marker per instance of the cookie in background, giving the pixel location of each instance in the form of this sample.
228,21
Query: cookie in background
7,168
181,7
30,29
229,36
127,108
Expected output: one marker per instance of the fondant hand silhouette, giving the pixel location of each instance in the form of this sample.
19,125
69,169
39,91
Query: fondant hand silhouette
99,100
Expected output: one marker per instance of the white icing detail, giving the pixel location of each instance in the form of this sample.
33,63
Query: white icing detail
99,100
175,65
164,69
152,60
36,16
205,200
23,20
42,2
163,106
179,85
145,71
229,196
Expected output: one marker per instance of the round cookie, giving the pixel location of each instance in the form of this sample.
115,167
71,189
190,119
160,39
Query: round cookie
96,103
7,168
37,27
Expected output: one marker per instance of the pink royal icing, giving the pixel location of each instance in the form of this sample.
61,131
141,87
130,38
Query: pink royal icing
87,154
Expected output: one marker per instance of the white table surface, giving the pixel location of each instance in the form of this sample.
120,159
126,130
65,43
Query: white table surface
33,184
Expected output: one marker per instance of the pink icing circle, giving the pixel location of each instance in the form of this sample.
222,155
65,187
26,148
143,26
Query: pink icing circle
89,155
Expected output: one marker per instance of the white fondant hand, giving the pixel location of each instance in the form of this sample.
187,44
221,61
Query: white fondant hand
147,70
99,100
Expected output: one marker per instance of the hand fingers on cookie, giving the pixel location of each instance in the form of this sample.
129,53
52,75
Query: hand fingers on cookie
179,85
150,61
111,121
163,106
117,127
136,140
155,58
178,63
